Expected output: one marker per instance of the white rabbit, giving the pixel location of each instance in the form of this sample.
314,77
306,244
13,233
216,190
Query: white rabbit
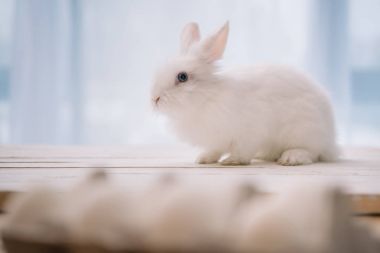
269,112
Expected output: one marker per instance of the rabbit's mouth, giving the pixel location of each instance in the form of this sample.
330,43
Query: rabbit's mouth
155,101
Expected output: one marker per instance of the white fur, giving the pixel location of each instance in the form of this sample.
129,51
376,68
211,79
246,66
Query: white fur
187,215
303,218
269,112
36,215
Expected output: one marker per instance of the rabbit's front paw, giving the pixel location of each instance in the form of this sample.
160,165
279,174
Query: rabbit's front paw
235,161
294,157
209,157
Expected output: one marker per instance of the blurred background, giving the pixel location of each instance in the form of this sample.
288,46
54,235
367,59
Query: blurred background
80,71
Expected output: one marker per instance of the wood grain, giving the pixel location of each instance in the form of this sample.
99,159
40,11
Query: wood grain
358,171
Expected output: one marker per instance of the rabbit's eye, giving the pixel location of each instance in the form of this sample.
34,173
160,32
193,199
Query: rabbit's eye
182,77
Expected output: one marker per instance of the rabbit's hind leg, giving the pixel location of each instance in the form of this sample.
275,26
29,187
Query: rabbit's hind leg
297,156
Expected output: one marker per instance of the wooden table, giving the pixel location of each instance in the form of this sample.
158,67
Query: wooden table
358,172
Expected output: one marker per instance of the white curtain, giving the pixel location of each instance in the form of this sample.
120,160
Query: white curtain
83,69
328,56
44,84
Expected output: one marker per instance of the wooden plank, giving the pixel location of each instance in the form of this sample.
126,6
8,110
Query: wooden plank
358,172
41,151
366,204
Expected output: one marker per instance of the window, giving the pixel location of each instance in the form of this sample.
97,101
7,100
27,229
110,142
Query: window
6,17
365,72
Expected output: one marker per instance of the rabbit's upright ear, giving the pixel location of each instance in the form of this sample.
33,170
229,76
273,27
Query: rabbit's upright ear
213,47
190,35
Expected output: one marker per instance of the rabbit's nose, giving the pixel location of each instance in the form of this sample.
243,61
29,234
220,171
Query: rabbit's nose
156,100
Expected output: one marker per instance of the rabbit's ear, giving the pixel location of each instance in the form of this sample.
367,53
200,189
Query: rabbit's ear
213,47
190,35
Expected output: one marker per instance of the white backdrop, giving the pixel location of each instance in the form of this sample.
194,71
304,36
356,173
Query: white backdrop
82,70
